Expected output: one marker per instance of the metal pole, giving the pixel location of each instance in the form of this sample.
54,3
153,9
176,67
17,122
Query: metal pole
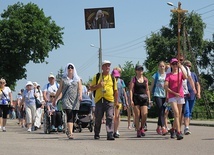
100,51
100,59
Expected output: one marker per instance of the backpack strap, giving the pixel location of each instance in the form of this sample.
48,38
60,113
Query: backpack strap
48,85
155,82
57,85
97,78
187,70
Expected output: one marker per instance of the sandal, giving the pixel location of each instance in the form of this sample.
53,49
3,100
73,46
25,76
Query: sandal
69,135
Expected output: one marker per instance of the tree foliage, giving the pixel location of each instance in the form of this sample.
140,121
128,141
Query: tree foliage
26,34
162,46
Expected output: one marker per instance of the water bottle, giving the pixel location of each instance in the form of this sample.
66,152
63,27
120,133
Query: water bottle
4,101
150,104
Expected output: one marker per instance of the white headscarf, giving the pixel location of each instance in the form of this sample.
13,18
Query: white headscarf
99,12
75,76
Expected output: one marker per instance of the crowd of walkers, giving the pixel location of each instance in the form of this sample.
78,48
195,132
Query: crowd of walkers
173,90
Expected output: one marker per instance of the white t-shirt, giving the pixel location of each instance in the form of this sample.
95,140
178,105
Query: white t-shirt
187,71
5,95
48,88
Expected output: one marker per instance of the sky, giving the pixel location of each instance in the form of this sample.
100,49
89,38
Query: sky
135,20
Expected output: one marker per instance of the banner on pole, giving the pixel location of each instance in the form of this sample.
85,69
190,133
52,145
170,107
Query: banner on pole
96,16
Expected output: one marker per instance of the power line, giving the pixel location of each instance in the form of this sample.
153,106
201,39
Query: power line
126,47
88,63
208,17
207,12
124,44
204,7
121,57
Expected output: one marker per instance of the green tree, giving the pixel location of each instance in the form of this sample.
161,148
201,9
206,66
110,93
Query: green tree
127,71
162,46
26,34
59,75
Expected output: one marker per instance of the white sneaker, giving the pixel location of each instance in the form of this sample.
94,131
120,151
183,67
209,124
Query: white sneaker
187,131
3,129
118,133
29,130
0,127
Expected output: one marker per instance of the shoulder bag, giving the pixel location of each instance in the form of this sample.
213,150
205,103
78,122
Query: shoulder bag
38,103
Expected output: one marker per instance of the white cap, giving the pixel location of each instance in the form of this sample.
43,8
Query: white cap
51,76
36,84
106,62
29,83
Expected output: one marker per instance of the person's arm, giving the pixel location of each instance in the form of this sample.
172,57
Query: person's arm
126,98
58,93
95,87
198,86
131,92
184,72
115,93
148,91
80,89
11,98
45,95
189,78
192,83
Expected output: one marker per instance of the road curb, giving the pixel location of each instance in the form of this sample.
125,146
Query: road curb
201,123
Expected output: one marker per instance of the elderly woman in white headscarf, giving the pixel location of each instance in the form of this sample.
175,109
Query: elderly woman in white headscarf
100,19
71,89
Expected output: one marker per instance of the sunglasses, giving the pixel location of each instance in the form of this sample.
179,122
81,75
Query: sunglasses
188,65
181,59
70,67
52,96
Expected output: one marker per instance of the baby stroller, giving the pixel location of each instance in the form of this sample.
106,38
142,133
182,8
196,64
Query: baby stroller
84,117
47,122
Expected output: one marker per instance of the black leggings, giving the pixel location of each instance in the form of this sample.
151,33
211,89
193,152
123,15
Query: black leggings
70,115
161,109
56,118
5,110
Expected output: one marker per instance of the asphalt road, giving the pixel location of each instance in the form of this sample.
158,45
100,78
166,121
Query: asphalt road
17,141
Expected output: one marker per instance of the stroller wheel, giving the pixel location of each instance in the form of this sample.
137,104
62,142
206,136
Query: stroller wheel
91,128
80,128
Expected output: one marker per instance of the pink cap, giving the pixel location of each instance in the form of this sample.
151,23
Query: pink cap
173,60
115,73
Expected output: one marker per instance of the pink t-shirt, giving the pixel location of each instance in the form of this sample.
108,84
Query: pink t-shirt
173,83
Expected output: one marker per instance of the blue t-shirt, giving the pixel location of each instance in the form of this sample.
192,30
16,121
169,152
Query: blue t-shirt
159,90
120,86
191,92
29,97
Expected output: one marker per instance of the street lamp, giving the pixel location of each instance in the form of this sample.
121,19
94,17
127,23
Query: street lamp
100,57
170,4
